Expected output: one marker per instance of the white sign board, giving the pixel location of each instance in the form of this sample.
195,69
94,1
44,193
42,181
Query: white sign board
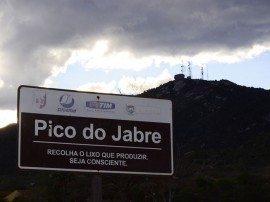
91,132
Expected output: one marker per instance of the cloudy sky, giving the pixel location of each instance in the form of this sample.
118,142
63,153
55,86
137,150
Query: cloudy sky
128,46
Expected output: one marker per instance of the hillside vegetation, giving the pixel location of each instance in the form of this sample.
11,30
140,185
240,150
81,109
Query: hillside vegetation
221,152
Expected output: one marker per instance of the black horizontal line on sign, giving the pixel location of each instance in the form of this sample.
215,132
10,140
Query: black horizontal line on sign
97,145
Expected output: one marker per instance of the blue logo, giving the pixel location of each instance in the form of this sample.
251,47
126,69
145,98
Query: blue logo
66,101
100,105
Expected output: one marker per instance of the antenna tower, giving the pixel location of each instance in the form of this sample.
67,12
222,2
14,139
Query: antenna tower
189,70
202,72
183,69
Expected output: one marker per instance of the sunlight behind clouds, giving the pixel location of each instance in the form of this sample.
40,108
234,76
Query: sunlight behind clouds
130,85
59,57
10,116
100,87
97,59
225,56
103,55
127,85
1,83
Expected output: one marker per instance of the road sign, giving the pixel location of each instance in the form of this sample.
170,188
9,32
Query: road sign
91,132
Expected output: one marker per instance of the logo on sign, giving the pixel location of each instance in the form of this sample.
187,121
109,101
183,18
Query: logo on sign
67,102
39,100
100,105
130,109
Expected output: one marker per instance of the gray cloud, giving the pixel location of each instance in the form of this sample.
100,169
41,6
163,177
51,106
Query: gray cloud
32,29
155,25
152,26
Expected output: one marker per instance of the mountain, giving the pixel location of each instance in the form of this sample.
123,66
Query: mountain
221,151
215,114
206,115
8,149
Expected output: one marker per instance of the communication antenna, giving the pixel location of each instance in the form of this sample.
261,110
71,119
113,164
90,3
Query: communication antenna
183,69
189,69
202,72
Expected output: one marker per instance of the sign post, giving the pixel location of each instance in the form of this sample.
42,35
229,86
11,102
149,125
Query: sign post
90,132
96,188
